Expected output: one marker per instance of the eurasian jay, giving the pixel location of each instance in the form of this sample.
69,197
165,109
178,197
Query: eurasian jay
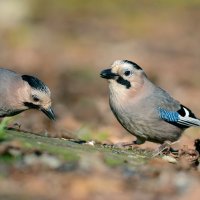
144,109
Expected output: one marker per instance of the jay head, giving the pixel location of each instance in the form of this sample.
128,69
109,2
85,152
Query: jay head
144,109
23,92
124,75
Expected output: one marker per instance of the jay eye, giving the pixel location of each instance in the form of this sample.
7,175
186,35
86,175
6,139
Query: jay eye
127,73
36,99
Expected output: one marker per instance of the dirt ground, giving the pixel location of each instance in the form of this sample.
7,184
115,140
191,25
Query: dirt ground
66,44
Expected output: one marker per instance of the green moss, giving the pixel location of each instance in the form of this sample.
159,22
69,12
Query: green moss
4,123
114,162
60,151
73,151
8,158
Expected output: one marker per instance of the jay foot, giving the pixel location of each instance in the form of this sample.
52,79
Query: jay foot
165,148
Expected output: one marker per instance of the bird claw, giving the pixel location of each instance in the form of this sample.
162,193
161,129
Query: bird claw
165,148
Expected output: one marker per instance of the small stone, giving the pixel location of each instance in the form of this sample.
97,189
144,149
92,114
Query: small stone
170,159
91,143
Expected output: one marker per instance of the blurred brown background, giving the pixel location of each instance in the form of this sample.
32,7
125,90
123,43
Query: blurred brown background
66,43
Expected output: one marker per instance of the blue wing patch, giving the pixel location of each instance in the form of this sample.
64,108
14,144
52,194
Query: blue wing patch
183,118
168,115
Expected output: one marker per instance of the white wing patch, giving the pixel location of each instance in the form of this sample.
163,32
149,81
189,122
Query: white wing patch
183,118
188,119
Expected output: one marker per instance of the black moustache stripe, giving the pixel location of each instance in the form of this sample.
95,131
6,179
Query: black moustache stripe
31,105
124,82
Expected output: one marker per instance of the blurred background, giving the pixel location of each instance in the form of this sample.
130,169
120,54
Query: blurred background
66,44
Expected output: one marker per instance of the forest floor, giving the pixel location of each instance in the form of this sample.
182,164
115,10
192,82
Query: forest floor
42,167
67,44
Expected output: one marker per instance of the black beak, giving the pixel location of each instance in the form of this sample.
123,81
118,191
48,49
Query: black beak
107,74
49,113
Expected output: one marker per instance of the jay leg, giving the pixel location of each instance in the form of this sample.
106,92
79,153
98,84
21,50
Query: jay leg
138,141
165,147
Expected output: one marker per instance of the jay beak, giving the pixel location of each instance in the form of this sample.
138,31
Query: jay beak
49,113
107,74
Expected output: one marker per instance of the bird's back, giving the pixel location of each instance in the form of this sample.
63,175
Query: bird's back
9,81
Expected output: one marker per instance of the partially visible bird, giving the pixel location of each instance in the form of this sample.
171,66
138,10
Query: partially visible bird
144,109
22,92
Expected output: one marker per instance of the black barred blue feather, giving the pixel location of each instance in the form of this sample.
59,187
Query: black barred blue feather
182,118
168,115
